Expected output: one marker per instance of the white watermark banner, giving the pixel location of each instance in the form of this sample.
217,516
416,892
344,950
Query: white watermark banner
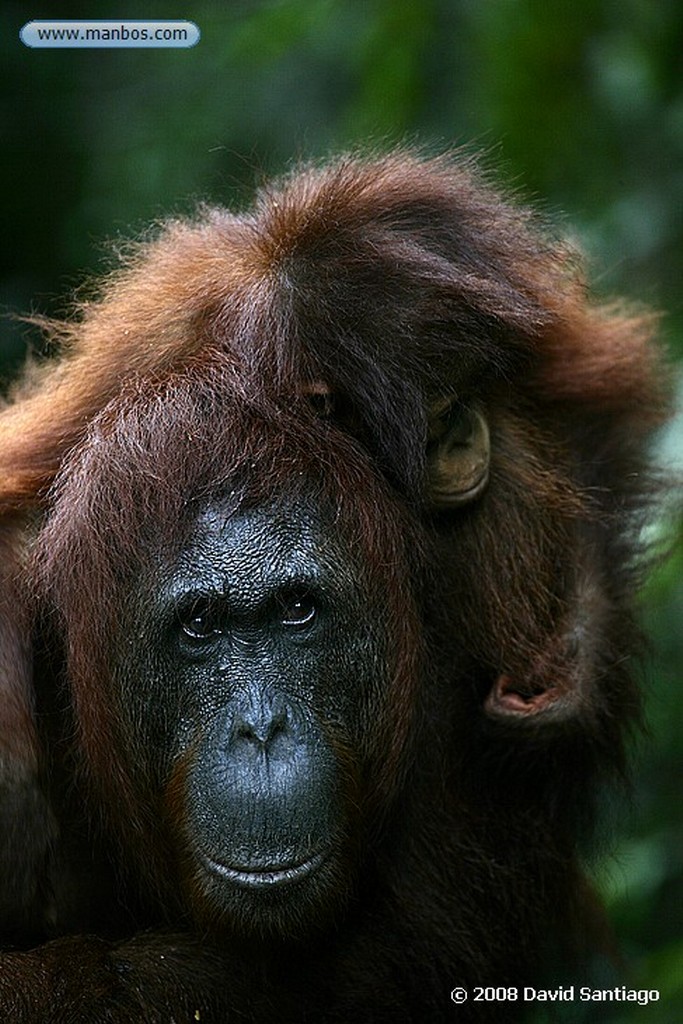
107,34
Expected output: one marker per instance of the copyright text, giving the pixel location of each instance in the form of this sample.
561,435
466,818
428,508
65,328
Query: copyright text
563,994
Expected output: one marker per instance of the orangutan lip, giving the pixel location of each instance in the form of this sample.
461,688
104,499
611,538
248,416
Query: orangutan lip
263,878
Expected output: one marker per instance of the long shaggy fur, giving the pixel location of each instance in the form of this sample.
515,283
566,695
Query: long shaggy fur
387,284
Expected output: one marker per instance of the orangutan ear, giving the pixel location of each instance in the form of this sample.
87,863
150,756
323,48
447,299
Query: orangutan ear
530,702
458,454
555,689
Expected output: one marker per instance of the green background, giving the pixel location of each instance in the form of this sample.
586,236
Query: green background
578,105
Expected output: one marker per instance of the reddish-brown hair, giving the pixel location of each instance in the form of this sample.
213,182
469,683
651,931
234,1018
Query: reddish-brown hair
389,278
300,352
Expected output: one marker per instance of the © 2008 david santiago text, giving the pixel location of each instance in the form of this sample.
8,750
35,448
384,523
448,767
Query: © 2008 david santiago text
563,994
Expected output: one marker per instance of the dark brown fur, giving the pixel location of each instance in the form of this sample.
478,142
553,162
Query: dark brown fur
390,284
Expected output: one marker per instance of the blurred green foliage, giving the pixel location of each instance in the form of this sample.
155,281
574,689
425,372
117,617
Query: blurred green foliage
579,106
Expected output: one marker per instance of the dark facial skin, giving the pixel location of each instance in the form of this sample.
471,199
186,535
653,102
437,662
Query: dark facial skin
258,670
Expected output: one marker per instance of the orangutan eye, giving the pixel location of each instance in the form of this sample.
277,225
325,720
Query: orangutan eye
200,621
297,611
